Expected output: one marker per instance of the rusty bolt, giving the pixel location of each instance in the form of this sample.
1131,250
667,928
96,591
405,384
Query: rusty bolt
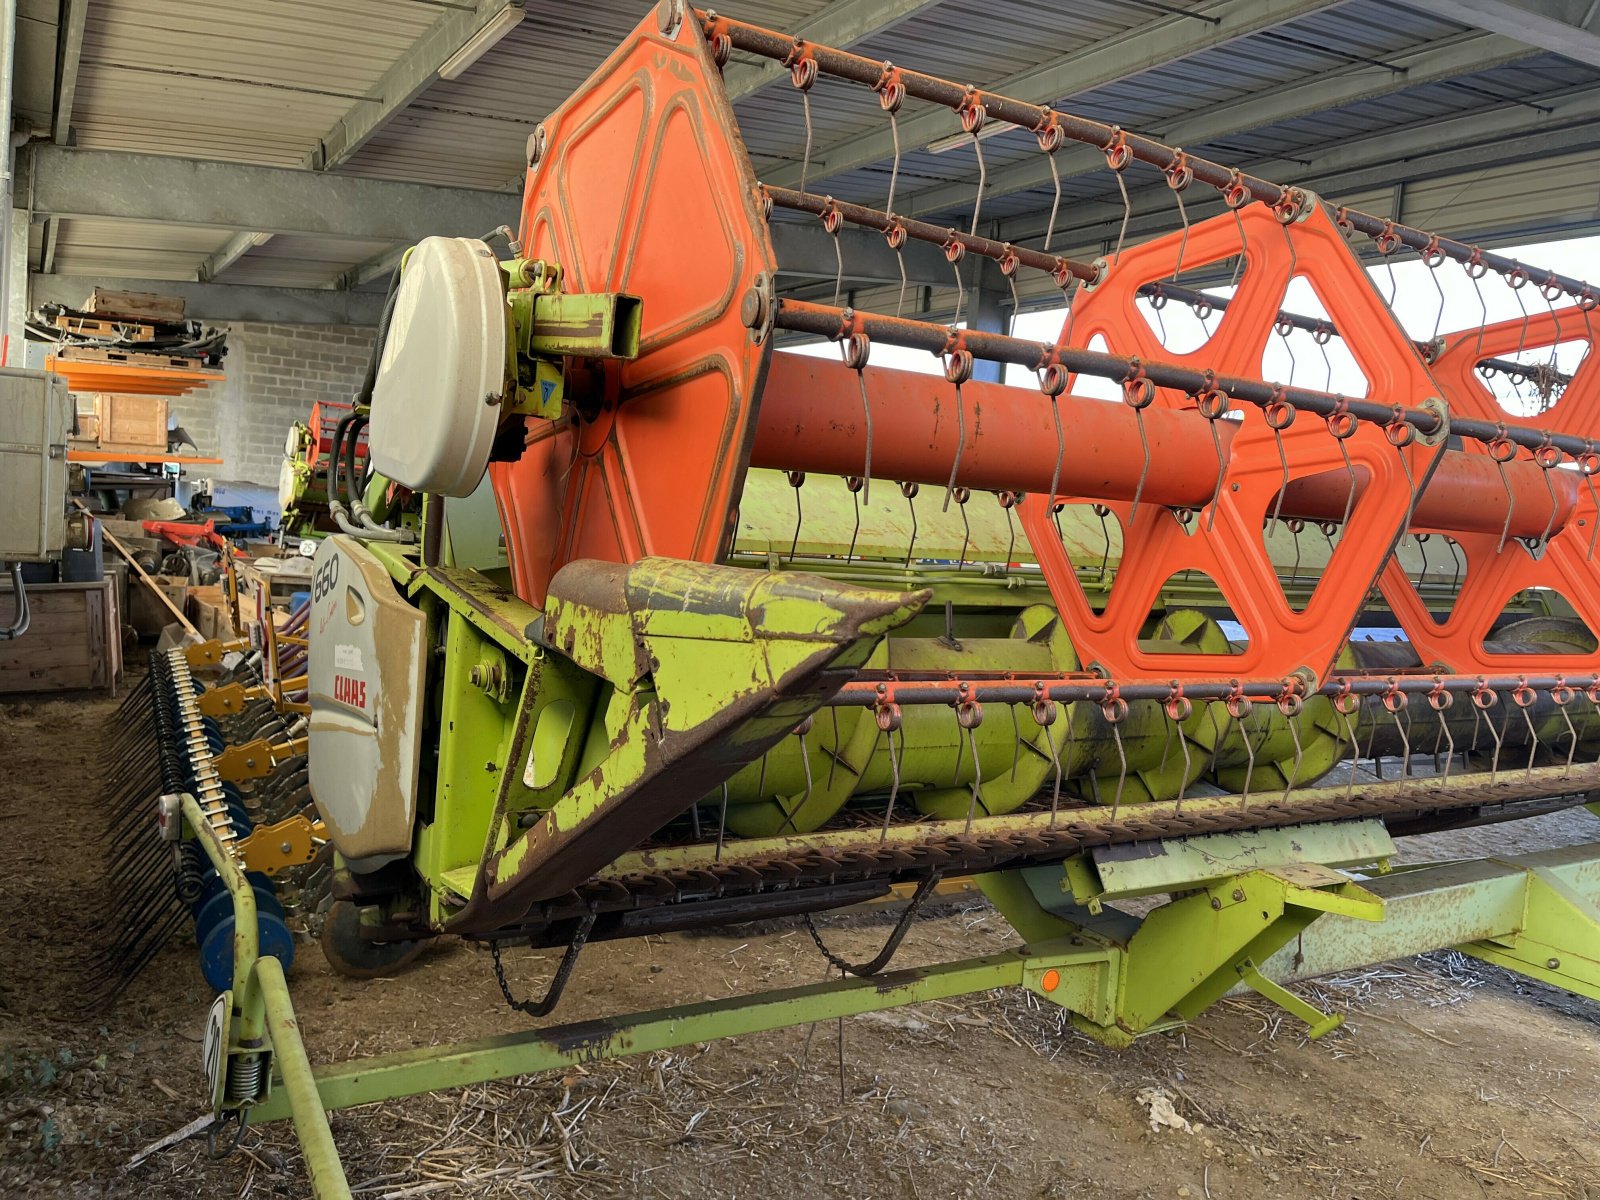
476,676
536,145
286,848
1553,963
1216,904
1238,895
753,308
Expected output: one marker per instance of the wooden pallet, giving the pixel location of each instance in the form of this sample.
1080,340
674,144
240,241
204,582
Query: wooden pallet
104,327
130,358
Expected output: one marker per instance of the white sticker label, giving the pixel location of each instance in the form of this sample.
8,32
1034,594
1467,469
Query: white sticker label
346,657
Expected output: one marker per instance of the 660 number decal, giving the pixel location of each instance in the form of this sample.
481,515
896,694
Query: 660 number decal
326,577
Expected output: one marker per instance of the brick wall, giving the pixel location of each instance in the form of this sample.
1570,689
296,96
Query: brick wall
275,373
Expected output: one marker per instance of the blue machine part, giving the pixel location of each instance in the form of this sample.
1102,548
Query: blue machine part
202,888
214,928
236,521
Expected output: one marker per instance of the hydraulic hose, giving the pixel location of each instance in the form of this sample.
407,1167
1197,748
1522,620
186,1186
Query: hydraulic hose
19,624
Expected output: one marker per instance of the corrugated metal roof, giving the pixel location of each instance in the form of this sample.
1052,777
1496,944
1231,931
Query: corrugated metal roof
134,250
262,82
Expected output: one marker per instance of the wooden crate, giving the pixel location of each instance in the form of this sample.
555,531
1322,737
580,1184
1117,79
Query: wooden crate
148,615
116,423
209,610
148,306
73,643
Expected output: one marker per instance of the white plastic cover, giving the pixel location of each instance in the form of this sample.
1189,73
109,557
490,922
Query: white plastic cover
436,401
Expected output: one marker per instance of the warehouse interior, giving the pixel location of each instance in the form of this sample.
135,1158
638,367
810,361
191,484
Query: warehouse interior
510,500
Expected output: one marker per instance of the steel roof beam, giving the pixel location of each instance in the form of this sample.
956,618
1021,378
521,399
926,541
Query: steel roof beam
223,301
842,24
1445,59
1104,62
110,185
412,74
37,36
1570,28
69,54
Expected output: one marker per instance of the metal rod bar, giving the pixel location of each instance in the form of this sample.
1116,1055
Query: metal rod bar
1063,688
827,321
410,1072
299,1088
1059,268
249,1010
1196,298
1039,119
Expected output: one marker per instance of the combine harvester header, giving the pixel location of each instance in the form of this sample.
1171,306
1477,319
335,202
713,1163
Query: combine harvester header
781,634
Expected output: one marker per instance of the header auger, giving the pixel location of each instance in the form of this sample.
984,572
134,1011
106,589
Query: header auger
782,633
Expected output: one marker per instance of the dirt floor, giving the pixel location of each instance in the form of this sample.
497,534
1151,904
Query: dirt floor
1448,1079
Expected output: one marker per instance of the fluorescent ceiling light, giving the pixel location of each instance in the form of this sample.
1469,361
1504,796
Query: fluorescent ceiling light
956,140
480,43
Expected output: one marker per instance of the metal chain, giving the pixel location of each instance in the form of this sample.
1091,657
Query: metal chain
881,960
558,984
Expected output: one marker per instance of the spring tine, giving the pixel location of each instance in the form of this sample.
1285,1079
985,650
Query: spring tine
1144,470
909,491
1122,768
1355,753
1294,773
894,782
1572,741
1499,740
866,414
1450,756
1188,768
977,779
1127,212
1250,760
961,442
1550,522
1055,762
797,480
1403,729
1533,744
1222,474
1511,504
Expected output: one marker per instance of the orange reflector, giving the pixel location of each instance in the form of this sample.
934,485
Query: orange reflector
1050,980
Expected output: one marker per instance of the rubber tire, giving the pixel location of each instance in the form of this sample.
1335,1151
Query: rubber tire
352,955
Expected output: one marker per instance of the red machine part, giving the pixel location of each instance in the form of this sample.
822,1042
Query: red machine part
324,419
639,183
1499,566
1226,541
813,419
